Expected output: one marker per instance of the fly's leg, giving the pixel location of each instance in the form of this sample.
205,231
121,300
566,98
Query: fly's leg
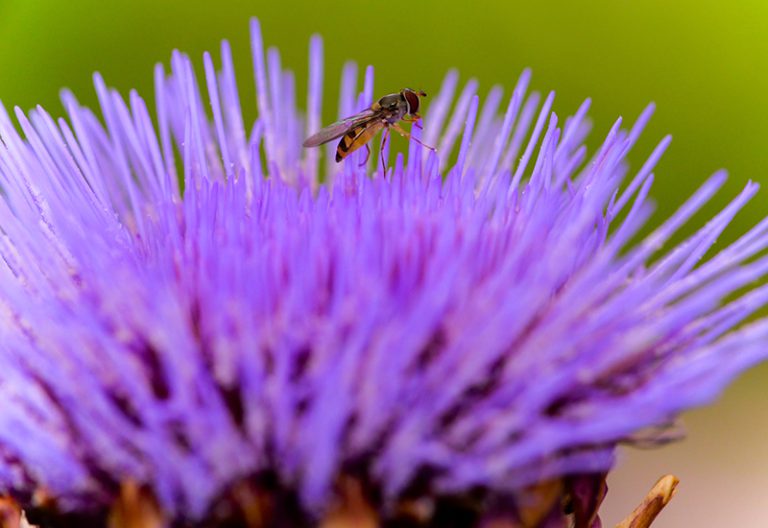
367,155
415,119
384,138
408,136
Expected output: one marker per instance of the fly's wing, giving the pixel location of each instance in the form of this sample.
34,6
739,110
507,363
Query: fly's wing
338,129
357,137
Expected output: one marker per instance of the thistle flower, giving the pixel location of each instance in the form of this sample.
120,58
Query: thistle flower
196,328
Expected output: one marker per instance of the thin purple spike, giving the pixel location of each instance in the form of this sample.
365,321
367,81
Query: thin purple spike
189,183
485,125
291,127
445,147
80,136
262,90
522,127
654,241
231,105
348,93
509,120
279,94
136,157
186,85
118,157
566,171
438,109
572,127
149,140
734,312
163,125
314,103
709,234
257,174
542,170
365,101
367,89
83,167
466,139
724,261
347,105
218,119
747,245
521,166
606,149
42,155
639,125
646,169
274,77
634,219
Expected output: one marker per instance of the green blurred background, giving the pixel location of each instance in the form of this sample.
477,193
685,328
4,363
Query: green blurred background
703,62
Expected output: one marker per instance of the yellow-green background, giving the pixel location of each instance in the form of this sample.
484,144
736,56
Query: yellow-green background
703,62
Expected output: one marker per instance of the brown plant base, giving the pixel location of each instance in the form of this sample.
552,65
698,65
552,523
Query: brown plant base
654,502
566,503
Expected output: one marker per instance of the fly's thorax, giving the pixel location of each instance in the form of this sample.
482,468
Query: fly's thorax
394,117
391,102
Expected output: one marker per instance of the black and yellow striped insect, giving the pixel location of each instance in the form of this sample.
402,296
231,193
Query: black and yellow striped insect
357,130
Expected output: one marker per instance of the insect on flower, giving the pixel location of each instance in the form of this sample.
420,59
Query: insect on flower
355,131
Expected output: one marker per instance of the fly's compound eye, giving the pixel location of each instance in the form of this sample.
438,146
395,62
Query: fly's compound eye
413,101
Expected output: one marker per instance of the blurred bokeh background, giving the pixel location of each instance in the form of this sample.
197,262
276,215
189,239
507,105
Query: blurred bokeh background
704,63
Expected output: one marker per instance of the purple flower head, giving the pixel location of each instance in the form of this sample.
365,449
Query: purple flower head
237,324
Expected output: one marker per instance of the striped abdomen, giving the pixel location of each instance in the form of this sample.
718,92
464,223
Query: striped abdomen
356,138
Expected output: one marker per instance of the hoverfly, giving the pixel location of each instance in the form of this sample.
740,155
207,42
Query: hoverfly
355,131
